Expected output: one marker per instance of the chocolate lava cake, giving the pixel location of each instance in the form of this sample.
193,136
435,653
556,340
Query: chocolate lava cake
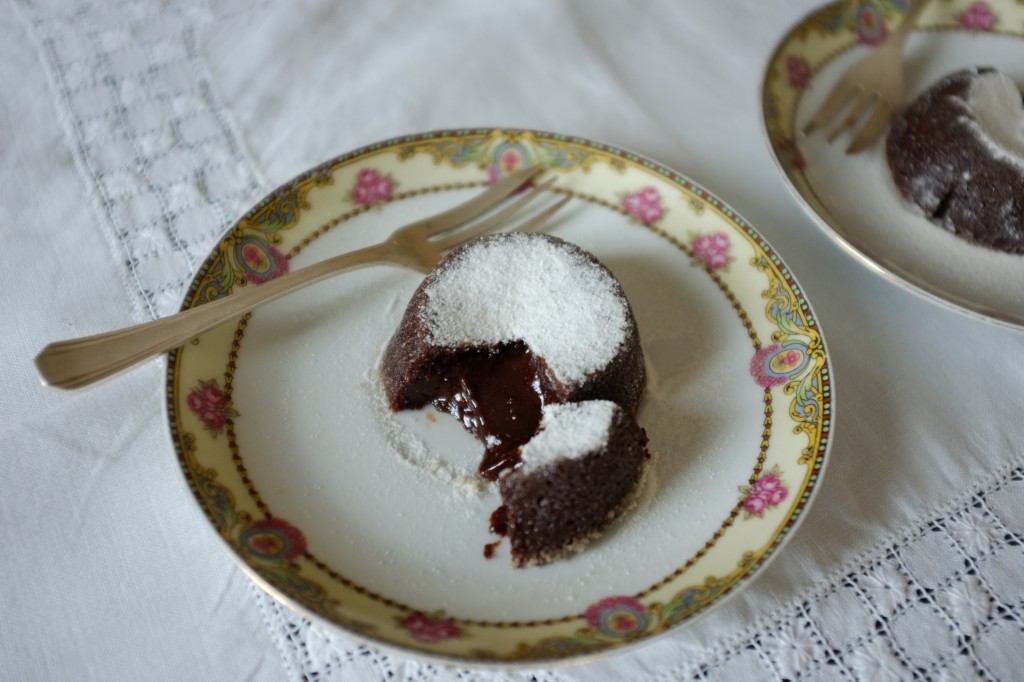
957,152
505,332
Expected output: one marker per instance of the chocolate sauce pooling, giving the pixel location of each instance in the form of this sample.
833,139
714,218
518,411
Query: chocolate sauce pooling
499,521
499,526
497,395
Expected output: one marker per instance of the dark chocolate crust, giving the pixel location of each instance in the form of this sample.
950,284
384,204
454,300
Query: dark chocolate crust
939,163
554,510
410,355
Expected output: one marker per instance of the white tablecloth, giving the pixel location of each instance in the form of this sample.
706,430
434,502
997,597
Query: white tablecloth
133,133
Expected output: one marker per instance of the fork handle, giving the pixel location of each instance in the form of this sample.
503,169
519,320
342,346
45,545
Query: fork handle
79,362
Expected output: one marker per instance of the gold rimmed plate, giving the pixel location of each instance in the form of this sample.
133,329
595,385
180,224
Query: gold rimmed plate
375,523
852,197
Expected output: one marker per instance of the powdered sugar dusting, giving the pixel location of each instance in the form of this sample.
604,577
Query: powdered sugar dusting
530,288
567,431
998,116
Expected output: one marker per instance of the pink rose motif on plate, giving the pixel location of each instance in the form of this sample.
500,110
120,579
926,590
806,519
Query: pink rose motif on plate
712,250
979,17
768,491
210,404
774,365
644,206
869,24
799,71
430,629
372,188
273,540
790,153
617,616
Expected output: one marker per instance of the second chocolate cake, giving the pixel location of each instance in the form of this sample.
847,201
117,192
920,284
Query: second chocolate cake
957,152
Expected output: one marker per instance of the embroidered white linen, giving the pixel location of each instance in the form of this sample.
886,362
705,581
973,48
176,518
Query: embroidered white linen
133,134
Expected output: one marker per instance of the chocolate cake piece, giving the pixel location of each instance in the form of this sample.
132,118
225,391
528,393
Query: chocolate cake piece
578,473
957,152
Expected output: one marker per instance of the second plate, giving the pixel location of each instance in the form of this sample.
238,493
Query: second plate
852,197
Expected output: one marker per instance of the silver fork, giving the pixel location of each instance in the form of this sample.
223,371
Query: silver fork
878,76
420,245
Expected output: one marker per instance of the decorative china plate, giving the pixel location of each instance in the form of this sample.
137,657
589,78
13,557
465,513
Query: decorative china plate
852,197
376,522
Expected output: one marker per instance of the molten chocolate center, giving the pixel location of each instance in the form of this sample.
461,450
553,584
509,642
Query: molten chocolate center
497,394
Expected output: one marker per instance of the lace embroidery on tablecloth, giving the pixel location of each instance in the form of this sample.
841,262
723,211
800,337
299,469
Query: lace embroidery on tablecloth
150,138
895,614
